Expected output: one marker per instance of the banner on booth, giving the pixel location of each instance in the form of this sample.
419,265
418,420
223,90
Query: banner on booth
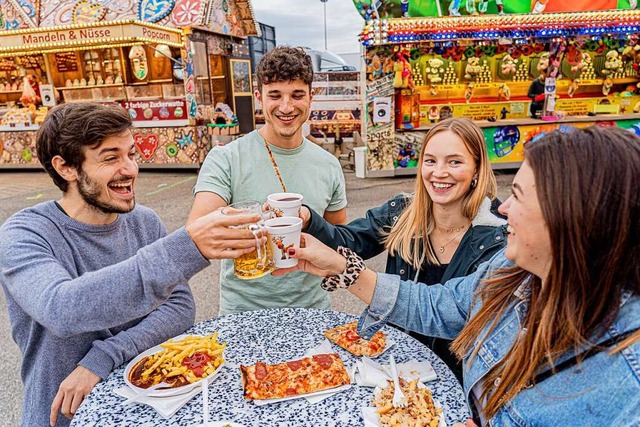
417,8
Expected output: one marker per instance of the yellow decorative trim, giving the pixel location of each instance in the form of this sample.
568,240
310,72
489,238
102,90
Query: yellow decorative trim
58,39
90,25
519,21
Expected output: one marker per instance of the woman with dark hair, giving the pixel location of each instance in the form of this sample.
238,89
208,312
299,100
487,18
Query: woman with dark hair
548,329
444,229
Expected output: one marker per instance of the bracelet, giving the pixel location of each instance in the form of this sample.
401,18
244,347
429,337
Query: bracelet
355,266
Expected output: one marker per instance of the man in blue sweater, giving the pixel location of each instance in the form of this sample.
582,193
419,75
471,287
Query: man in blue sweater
92,280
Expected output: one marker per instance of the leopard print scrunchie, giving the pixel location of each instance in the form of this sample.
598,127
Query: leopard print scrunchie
355,265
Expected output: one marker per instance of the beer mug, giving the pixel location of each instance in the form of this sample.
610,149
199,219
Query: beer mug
258,262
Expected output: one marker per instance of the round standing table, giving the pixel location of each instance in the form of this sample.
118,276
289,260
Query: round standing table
271,336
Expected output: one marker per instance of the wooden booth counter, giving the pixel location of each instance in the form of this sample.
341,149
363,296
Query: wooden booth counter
172,71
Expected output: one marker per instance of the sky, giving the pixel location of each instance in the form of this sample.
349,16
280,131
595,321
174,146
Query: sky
301,23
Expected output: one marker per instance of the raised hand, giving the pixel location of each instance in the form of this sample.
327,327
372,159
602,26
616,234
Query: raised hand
218,236
305,215
314,257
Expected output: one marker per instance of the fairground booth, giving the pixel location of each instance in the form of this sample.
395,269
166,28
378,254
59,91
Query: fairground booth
519,68
336,106
179,67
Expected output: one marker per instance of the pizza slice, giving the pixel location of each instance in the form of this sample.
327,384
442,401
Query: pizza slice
296,377
346,337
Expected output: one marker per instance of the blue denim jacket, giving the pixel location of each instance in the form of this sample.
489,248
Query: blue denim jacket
602,391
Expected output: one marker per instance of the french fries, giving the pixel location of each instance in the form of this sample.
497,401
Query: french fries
181,362
420,411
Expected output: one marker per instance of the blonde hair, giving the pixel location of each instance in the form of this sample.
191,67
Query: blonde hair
407,236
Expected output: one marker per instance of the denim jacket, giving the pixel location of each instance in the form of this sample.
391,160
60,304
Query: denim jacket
602,391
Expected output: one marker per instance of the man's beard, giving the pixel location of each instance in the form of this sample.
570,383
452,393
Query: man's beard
288,133
90,193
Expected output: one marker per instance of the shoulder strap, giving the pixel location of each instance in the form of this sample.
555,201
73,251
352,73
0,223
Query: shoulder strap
584,355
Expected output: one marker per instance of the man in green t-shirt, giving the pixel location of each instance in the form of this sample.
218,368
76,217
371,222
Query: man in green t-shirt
274,159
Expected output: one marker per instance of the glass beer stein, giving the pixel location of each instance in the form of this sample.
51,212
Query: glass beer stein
258,262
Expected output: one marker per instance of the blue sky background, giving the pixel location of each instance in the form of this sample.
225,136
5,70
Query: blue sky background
301,22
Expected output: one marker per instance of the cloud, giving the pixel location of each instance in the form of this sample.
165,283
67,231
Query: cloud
301,23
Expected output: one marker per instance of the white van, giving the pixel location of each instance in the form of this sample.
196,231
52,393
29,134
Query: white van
324,61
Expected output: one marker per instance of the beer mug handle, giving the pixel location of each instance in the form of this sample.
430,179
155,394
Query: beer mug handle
255,228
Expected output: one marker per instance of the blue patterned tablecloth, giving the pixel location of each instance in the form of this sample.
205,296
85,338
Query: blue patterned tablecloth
271,336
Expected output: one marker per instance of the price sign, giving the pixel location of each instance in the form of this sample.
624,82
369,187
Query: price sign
66,61
7,64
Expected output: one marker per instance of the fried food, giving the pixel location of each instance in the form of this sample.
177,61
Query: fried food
180,362
419,412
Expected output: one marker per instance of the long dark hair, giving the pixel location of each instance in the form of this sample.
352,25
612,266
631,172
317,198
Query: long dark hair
587,185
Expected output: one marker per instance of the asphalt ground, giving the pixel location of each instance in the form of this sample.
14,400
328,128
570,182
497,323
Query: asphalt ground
169,193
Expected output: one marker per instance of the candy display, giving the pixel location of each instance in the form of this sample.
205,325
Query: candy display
498,65
17,117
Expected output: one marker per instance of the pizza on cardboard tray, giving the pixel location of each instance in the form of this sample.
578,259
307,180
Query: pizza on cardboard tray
296,377
346,337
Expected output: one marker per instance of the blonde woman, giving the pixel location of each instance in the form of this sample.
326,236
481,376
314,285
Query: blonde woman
444,230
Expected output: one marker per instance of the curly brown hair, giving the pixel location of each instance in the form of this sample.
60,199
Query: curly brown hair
284,63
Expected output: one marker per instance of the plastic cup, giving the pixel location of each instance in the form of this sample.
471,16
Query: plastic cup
284,233
285,204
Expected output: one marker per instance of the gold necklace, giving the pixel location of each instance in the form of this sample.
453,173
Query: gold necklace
459,230
452,229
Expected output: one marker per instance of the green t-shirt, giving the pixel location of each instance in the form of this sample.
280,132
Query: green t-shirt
242,170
